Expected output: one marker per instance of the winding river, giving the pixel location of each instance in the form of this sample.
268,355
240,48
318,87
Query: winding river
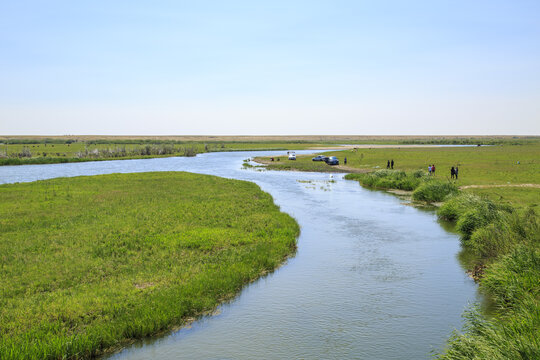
372,278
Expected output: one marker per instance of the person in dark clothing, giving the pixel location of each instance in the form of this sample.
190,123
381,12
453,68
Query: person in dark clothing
345,161
388,164
452,173
392,163
456,172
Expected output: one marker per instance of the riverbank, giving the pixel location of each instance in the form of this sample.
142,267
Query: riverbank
505,244
117,257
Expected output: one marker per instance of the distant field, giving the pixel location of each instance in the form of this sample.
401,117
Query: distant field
89,262
484,165
273,138
20,150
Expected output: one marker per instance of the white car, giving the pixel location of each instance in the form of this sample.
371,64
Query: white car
292,156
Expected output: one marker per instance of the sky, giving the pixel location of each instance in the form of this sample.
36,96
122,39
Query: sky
382,67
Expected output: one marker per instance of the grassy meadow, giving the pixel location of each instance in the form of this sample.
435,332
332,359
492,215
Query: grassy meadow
484,165
88,263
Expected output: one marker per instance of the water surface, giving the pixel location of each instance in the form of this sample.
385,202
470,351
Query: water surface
372,278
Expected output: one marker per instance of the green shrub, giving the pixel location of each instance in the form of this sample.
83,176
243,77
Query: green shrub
514,336
516,275
388,179
482,214
418,174
433,191
491,240
456,206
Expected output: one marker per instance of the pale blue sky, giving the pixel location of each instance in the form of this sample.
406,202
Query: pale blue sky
270,67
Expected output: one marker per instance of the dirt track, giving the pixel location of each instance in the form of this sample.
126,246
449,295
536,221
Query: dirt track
497,186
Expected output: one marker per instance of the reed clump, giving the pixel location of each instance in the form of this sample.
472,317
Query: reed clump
434,191
390,179
506,243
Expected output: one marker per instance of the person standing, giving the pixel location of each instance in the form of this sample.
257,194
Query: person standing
345,161
429,169
392,163
433,169
388,164
452,173
456,172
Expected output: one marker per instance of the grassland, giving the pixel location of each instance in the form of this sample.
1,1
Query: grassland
504,164
88,263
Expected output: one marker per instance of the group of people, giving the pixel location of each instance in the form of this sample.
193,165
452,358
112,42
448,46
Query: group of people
431,169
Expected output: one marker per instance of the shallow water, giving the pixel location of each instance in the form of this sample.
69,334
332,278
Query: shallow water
372,278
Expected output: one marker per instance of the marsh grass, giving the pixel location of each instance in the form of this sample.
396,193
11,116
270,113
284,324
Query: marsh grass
506,242
389,179
434,191
513,332
426,188
87,263
51,151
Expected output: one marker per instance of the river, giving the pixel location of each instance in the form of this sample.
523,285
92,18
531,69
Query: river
372,278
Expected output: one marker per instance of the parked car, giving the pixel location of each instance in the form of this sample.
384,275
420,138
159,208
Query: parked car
332,160
320,158
292,156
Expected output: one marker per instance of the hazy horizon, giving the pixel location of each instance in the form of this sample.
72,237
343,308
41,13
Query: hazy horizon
281,67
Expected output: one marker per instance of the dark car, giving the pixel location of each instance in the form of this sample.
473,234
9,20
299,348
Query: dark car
320,158
332,160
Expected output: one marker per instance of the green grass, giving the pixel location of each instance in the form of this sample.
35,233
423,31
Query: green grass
506,242
389,179
425,188
514,331
516,196
89,262
485,165
477,165
302,163
434,191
